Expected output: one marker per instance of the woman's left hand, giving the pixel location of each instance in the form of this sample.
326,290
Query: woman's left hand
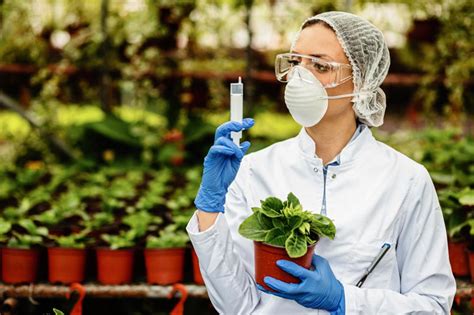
318,289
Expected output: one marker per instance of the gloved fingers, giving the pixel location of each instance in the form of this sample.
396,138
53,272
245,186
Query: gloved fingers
280,286
248,123
245,146
292,268
225,129
220,150
282,295
223,141
319,262
321,266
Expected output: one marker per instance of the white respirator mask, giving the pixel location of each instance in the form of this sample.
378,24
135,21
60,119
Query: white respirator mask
306,98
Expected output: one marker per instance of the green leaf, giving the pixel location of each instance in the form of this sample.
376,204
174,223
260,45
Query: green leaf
264,221
296,245
467,198
269,212
252,229
295,222
276,237
304,228
169,238
273,203
292,200
278,222
310,241
5,226
57,312
256,209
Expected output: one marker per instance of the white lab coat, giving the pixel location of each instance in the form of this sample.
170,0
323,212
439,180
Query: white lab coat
375,196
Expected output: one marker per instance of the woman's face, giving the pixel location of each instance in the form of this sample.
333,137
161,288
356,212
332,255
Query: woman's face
321,41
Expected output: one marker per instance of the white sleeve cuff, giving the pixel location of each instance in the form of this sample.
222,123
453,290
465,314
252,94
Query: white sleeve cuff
350,296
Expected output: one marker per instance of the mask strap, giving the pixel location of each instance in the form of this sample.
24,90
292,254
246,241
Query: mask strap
335,97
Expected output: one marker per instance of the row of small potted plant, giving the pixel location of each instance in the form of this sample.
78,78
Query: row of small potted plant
164,258
114,211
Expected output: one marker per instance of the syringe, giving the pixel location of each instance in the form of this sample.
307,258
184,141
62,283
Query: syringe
236,107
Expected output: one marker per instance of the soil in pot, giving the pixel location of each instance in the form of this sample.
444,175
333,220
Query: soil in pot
164,266
266,257
196,271
459,258
66,265
114,266
19,265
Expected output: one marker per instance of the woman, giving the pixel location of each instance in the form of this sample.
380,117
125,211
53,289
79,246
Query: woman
373,194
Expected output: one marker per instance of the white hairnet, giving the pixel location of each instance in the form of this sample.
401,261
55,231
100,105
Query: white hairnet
365,47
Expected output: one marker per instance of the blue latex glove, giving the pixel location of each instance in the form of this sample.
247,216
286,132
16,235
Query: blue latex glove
220,166
319,288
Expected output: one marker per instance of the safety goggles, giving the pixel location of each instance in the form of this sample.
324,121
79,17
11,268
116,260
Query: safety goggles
329,73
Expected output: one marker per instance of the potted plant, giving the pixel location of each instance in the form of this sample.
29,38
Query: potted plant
20,257
283,230
164,256
196,270
67,260
458,225
115,262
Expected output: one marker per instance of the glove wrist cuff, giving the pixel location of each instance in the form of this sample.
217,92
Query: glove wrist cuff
210,200
341,306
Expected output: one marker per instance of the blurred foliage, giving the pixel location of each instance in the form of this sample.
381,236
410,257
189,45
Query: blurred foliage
451,60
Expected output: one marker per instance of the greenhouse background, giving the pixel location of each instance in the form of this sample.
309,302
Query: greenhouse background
108,107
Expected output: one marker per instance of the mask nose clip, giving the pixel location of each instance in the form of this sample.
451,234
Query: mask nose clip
297,71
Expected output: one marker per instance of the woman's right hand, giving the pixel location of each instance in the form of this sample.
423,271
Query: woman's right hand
220,166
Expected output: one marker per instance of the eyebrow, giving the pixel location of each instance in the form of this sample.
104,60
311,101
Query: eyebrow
315,55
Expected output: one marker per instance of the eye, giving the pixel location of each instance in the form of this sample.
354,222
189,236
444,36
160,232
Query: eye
293,62
321,67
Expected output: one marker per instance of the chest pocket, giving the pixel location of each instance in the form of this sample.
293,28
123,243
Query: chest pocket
384,276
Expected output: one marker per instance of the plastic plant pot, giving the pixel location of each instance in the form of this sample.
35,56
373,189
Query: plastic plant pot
164,265
196,270
19,265
459,258
114,266
66,265
471,265
266,257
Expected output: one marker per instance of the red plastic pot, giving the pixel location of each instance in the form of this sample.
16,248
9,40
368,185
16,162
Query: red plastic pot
114,266
66,265
459,259
471,265
196,271
266,257
164,266
19,265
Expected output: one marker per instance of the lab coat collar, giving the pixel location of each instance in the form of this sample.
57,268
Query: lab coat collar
349,153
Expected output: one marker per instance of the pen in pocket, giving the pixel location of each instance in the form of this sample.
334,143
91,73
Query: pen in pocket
377,259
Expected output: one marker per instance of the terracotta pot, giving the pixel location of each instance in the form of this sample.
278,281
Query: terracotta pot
164,266
114,266
458,257
66,265
19,265
266,257
196,271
